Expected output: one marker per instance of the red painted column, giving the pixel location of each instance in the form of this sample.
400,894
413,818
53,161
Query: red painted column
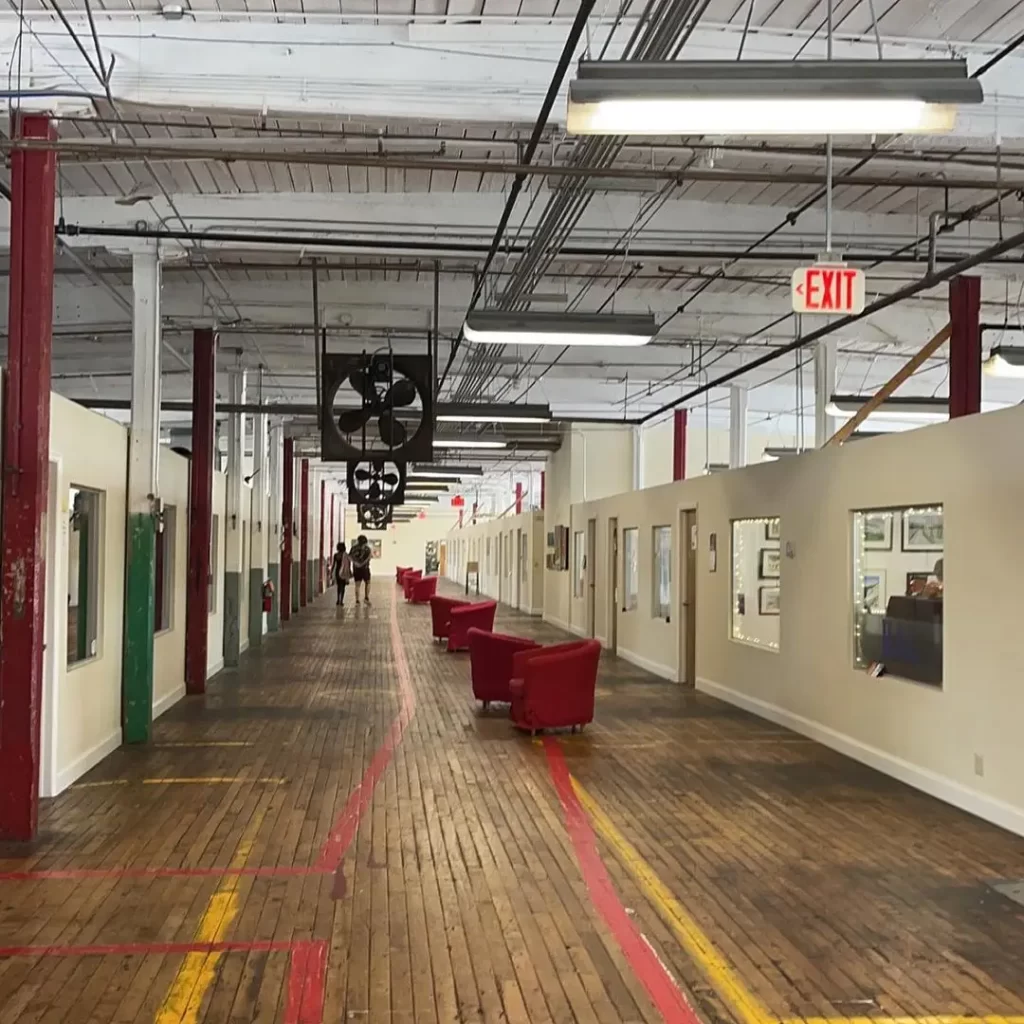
320,564
679,445
519,498
26,473
303,533
200,510
543,488
287,525
965,346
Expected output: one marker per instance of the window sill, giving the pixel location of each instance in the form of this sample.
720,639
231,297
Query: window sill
82,662
163,632
754,644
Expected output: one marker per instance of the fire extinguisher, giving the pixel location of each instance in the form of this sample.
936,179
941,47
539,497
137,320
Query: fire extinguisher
268,595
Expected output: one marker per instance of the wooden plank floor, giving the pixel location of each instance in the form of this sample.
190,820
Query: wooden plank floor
193,880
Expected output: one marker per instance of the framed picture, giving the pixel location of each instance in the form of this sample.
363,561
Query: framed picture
916,582
922,531
768,600
769,564
876,532
773,529
874,596
374,548
551,538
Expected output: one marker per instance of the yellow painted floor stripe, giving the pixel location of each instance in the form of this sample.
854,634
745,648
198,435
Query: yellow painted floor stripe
719,972
717,969
197,972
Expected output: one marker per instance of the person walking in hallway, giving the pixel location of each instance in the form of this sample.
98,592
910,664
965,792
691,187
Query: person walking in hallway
360,556
341,566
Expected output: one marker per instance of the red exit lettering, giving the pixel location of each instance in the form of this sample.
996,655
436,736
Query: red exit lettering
828,289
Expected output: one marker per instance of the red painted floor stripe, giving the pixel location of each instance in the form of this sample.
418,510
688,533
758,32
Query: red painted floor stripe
305,1001
344,831
649,970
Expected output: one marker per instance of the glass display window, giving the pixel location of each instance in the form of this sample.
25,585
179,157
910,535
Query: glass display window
661,598
756,582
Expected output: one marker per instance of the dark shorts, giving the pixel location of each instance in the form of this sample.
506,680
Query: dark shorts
361,575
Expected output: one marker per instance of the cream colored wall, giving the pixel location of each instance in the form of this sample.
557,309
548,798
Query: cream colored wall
928,737
84,702
215,631
558,498
401,543
169,645
527,595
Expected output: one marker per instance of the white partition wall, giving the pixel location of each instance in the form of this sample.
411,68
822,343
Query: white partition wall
959,740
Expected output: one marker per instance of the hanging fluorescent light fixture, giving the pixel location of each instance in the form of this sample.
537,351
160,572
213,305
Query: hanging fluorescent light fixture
440,472
480,412
911,407
458,443
1005,361
768,97
496,327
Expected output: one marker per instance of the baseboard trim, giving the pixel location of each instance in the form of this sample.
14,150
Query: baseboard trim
243,647
215,668
989,808
604,642
557,623
578,630
87,761
535,612
167,701
654,667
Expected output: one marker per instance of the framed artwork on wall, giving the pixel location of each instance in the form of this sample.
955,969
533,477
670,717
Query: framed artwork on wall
768,600
877,531
874,592
916,582
773,529
769,564
922,530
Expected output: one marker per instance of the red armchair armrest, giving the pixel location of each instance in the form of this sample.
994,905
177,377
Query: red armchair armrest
553,687
423,589
441,614
490,660
408,578
400,571
480,615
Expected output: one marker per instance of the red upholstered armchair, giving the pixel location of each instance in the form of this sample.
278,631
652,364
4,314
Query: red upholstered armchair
479,615
400,571
490,663
441,614
553,687
423,589
408,578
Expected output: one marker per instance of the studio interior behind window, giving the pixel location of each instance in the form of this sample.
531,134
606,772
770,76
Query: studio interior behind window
756,582
899,584
84,561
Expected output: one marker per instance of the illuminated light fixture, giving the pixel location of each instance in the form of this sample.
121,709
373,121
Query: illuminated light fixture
481,412
912,407
496,327
1005,361
773,97
442,472
444,442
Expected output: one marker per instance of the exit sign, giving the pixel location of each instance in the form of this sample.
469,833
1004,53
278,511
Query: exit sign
458,501
828,288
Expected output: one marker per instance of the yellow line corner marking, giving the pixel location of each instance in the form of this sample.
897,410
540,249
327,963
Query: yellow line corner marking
184,998
719,972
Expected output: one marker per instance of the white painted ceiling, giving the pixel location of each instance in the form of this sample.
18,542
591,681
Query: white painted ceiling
362,131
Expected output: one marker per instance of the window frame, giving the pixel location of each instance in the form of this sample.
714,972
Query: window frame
92,581
631,569
658,609
738,584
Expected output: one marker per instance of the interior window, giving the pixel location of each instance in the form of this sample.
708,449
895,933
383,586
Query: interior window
85,556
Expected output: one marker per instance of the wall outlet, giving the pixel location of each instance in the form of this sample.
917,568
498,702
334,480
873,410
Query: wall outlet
979,765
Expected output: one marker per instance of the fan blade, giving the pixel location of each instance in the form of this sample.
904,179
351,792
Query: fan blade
392,431
353,420
402,392
391,479
363,474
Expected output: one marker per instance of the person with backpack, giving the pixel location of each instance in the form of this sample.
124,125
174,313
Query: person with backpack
360,556
341,569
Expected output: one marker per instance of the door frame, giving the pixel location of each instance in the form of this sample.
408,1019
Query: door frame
519,568
591,556
613,581
686,569
54,604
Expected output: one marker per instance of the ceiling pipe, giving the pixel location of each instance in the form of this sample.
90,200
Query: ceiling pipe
471,248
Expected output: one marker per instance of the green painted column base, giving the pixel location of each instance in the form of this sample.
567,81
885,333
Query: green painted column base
274,615
139,609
